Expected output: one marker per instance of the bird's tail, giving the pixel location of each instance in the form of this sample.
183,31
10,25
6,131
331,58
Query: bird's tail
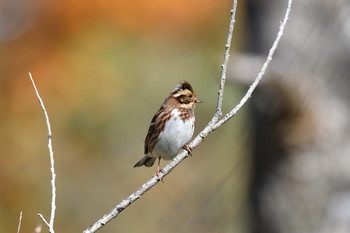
147,161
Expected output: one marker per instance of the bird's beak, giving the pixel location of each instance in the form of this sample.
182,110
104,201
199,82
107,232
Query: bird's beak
196,100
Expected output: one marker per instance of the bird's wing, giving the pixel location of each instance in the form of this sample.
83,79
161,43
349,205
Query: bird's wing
152,131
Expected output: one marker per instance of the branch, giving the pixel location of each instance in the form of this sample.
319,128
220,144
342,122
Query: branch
212,125
19,222
52,161
218,113
262,71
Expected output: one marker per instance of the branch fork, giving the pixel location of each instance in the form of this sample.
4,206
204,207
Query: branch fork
216,121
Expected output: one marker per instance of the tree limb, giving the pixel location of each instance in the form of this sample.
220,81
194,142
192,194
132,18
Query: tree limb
19,222
262,71
218,112
52,161
215,122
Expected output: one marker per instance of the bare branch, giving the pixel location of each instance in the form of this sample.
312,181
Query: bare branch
52,161
262,71
44,220
218,113
19,222
212,125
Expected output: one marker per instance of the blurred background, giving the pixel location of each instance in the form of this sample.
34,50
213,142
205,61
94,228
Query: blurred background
104,68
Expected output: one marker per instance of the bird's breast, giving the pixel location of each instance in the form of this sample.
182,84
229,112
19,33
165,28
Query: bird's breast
178,130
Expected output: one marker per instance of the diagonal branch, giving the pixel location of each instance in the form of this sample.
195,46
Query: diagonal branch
262,71
19,222
52,161
212,125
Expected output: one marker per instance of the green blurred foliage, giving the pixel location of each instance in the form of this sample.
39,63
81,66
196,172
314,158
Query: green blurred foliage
101,84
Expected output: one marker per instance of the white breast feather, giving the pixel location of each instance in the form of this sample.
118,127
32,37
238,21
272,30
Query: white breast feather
175,135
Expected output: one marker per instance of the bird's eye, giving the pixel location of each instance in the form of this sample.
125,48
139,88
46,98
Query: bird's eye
190,95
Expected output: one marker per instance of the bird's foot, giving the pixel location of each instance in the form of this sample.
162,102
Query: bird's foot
158,174
188,149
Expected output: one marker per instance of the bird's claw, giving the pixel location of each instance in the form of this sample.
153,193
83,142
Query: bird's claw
158,175
188,149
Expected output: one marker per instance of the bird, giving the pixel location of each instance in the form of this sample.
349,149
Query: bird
171,127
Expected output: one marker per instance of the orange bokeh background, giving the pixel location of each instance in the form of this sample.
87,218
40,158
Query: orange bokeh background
103,68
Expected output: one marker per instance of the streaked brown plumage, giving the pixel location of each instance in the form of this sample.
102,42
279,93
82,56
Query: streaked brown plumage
171,127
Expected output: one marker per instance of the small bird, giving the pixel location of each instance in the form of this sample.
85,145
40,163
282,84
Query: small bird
171,127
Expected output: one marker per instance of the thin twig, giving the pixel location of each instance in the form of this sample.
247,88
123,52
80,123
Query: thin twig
218,113
52,161
214,124
262,71
19,222
44,220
